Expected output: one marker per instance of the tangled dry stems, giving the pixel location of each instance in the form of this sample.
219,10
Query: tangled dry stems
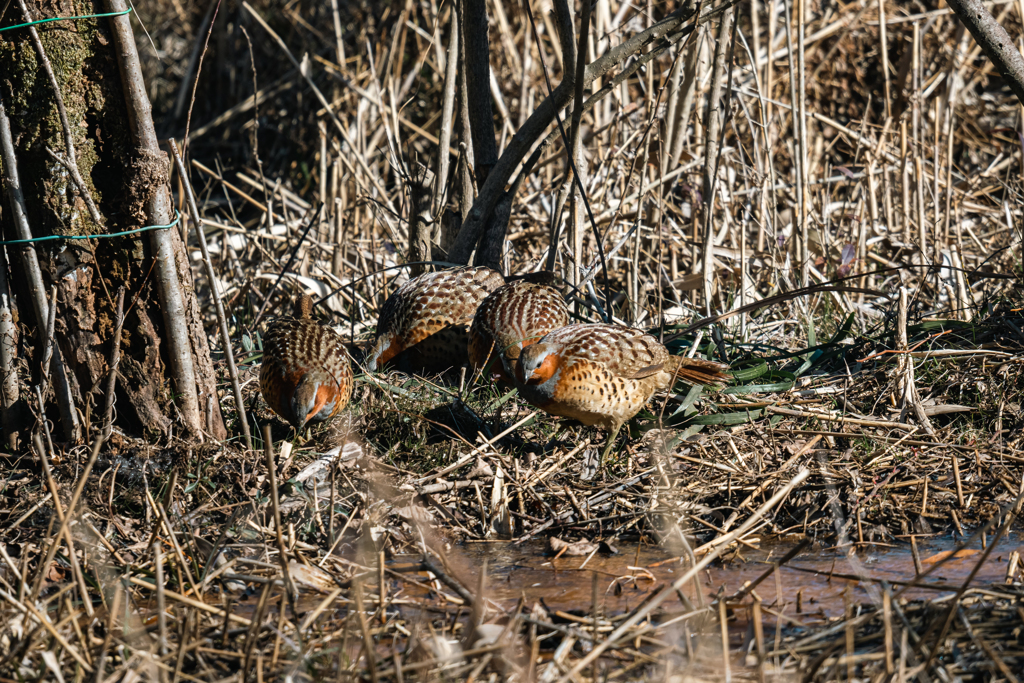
908,182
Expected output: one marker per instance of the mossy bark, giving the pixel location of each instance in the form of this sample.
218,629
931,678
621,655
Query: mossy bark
88,273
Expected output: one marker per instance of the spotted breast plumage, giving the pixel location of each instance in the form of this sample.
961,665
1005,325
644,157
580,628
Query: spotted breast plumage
511,318
424,325
306,376
602,375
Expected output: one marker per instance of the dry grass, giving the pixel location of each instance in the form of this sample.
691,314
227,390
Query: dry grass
180,571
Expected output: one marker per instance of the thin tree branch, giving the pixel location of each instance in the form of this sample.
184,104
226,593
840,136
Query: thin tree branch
34,274
994,40
222,319
447,112
158,212
542,117
478,77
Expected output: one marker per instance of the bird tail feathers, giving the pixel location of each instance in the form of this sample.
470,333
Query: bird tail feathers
697,371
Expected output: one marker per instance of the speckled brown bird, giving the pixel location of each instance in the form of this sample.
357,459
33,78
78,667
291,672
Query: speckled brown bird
602,375
424,325
306,376
511,318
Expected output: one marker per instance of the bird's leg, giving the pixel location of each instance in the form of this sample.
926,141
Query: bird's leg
608,447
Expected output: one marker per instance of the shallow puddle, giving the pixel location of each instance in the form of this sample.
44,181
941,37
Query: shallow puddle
814,587
815,581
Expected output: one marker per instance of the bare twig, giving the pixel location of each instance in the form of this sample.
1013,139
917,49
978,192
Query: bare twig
225,335
30,265
994,40
158,212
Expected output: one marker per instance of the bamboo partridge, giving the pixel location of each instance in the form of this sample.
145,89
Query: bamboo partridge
511,318
424,325
602,375
305,376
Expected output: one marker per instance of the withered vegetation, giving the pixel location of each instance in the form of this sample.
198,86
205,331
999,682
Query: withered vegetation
867,250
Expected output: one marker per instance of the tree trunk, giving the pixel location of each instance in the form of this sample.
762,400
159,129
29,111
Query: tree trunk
420,227
123,180
478,82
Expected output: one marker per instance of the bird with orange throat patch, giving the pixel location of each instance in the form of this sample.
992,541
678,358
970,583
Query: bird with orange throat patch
602,375
424,325
306,376
511,318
